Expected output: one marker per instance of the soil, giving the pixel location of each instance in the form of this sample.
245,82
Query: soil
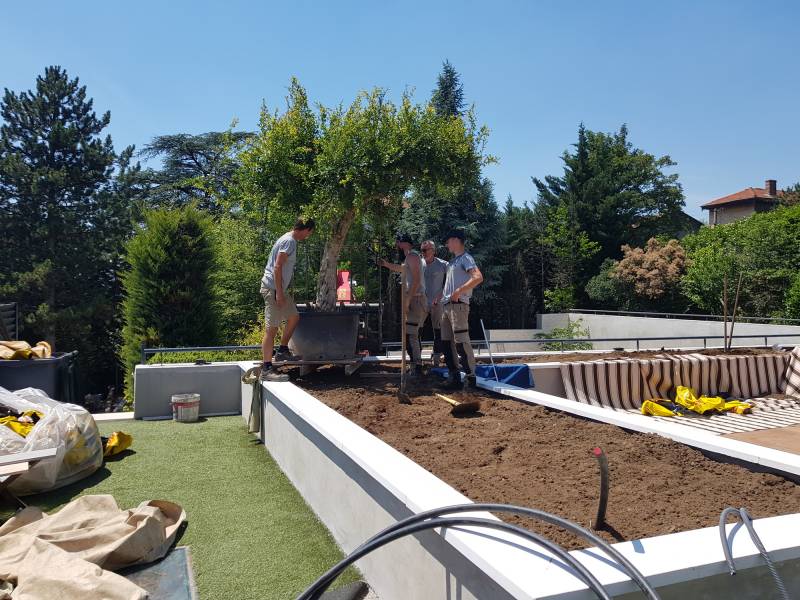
533,456
637,354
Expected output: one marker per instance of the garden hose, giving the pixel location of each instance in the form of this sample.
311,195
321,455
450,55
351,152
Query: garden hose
320,585
566,524
742,514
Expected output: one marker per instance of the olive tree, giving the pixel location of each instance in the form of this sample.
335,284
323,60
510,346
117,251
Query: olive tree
350,163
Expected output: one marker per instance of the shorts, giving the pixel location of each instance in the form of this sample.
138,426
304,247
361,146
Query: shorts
455,322
416,315
436,315
274,315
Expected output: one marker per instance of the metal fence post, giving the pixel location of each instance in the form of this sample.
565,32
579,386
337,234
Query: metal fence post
143,359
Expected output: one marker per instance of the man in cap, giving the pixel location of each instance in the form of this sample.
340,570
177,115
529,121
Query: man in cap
462,277
435,272
416,301
279,306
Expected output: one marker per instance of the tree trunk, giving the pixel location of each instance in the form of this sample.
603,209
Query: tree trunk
326,282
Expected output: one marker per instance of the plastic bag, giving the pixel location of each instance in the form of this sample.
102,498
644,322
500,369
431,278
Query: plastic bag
67,427
686,397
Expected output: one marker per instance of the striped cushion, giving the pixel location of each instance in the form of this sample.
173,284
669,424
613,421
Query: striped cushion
626,383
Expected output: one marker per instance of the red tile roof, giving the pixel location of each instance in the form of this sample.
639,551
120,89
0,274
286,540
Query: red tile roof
750,193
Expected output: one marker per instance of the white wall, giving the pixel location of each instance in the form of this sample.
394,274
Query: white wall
219,386
617,326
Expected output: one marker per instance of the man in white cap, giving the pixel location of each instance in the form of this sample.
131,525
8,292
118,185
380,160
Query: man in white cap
416,302
463,275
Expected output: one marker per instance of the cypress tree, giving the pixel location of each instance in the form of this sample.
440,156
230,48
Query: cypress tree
168,285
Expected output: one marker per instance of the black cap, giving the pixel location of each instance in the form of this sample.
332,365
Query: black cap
455,233
404,237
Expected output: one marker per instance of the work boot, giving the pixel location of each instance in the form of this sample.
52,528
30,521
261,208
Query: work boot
415,372
271,374
453,381
436,359
286,356
472,382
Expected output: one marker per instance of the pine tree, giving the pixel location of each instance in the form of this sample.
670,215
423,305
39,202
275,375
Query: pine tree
63,215
448,97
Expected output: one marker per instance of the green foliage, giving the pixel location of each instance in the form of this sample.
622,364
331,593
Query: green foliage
570,251
609,292
195,168
792,299
168,285
573,330
339,164
616,193
240,258
448,96
765,248
64,213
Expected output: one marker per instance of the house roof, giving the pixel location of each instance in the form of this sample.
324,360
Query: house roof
746,194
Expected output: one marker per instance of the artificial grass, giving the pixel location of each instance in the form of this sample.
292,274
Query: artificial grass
250,532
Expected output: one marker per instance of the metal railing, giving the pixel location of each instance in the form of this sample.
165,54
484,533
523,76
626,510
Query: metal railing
690,316
561,341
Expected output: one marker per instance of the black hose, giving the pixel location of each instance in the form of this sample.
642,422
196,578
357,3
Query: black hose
322,583
602,502
574,528
742,514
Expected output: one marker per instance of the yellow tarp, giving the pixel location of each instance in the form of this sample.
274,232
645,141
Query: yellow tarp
23,423
118,441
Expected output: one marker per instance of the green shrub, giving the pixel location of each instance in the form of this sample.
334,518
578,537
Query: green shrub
572,330
167,285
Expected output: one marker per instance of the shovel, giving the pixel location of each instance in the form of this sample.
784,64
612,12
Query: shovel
402,396
461,408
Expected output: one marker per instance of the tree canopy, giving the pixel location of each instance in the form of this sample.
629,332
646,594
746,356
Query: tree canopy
337,164
65,199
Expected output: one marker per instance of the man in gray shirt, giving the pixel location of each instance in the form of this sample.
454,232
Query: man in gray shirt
462,277
279,306
435,272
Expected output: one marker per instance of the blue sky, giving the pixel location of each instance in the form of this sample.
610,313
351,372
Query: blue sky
713,84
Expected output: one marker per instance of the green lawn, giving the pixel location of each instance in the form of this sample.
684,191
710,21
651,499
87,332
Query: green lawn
250,532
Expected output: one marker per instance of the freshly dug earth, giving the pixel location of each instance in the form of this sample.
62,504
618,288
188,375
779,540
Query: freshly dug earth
533,456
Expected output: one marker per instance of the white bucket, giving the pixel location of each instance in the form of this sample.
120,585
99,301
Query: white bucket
186,407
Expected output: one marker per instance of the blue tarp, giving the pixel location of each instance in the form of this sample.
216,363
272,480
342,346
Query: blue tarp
518,375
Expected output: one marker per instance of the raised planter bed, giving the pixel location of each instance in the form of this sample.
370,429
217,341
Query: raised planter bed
535,456
358,484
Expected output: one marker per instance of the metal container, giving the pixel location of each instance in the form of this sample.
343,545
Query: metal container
55,376
322,336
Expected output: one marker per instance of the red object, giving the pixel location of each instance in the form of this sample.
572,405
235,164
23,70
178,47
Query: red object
344,292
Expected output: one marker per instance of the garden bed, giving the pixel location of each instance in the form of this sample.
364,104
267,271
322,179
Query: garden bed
538,457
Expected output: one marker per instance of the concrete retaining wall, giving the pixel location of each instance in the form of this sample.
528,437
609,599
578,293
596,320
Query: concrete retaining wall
618,326
219,386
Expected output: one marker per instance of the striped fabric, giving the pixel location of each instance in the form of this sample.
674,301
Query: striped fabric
626,383
792,378
721,424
